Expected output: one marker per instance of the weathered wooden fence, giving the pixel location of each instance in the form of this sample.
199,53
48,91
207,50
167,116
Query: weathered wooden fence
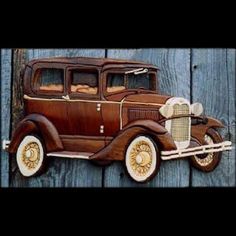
204,75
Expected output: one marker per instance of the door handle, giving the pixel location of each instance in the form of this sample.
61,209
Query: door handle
98,107
66,97
101,129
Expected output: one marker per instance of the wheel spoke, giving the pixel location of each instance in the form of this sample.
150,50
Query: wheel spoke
141,150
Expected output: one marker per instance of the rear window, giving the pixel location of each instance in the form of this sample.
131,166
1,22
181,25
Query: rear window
84,82
49,79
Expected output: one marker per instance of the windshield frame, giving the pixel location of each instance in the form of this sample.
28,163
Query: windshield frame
122,71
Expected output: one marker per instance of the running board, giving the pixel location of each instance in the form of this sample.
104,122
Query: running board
217,147
76,155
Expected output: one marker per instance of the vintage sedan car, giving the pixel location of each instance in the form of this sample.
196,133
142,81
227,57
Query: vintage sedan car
107,110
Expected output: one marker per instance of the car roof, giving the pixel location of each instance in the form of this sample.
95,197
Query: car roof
90,61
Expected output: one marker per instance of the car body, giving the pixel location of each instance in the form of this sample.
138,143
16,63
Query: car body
105,110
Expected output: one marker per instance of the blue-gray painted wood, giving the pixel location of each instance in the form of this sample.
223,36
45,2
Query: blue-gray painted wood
62,172
174,79
214,87
5,112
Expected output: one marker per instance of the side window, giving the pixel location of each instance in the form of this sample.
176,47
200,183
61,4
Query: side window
140,81
115,82
49,79
84,82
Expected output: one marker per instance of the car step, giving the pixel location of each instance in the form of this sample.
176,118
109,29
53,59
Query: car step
67,154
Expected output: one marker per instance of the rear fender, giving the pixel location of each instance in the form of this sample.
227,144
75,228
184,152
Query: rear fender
37,124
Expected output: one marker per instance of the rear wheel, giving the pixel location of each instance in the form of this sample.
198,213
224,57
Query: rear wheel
208,162
142,159
30,156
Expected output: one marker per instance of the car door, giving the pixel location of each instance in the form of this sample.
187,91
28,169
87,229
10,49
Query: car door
46,97
113,82
84,115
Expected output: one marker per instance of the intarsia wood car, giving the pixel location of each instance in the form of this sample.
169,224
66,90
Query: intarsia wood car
107,110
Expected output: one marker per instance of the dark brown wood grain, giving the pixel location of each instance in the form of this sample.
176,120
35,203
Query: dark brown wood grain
216,137
210,68
174,80
118,96
22,129
79,143
116,149
198,131
55,111
143,107
83,119
110,113
19,61
86,61
148,98
36,124
137,111
61,172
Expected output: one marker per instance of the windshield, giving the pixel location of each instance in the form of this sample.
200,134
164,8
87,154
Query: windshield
118,82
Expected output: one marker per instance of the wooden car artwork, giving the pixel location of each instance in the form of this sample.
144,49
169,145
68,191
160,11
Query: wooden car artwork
106,110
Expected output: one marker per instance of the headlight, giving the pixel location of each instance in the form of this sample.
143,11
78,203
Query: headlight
197,109
166,111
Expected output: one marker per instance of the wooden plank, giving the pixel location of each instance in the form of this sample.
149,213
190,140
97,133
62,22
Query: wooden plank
231,66
61,172
174,80
5,111
214,86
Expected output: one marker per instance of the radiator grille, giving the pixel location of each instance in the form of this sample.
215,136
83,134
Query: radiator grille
180,126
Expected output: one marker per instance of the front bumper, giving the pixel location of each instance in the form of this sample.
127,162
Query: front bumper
217,147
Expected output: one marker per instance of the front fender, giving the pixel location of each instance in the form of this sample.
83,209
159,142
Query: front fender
117,148
198,131
36,123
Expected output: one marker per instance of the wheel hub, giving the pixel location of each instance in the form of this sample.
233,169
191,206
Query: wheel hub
140,158
143,158
31,155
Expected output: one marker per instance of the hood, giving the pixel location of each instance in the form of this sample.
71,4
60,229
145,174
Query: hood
147,98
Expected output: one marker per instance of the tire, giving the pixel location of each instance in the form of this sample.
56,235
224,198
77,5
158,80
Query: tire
208,162
142,159
30,156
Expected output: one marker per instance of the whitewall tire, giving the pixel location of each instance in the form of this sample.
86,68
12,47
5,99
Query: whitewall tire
30,156
142,159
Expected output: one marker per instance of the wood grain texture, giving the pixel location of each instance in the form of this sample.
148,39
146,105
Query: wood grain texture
61,172
174,79
213,85
5,112
19,59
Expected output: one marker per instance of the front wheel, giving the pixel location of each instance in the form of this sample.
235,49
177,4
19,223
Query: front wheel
208,162
142,159
30,156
